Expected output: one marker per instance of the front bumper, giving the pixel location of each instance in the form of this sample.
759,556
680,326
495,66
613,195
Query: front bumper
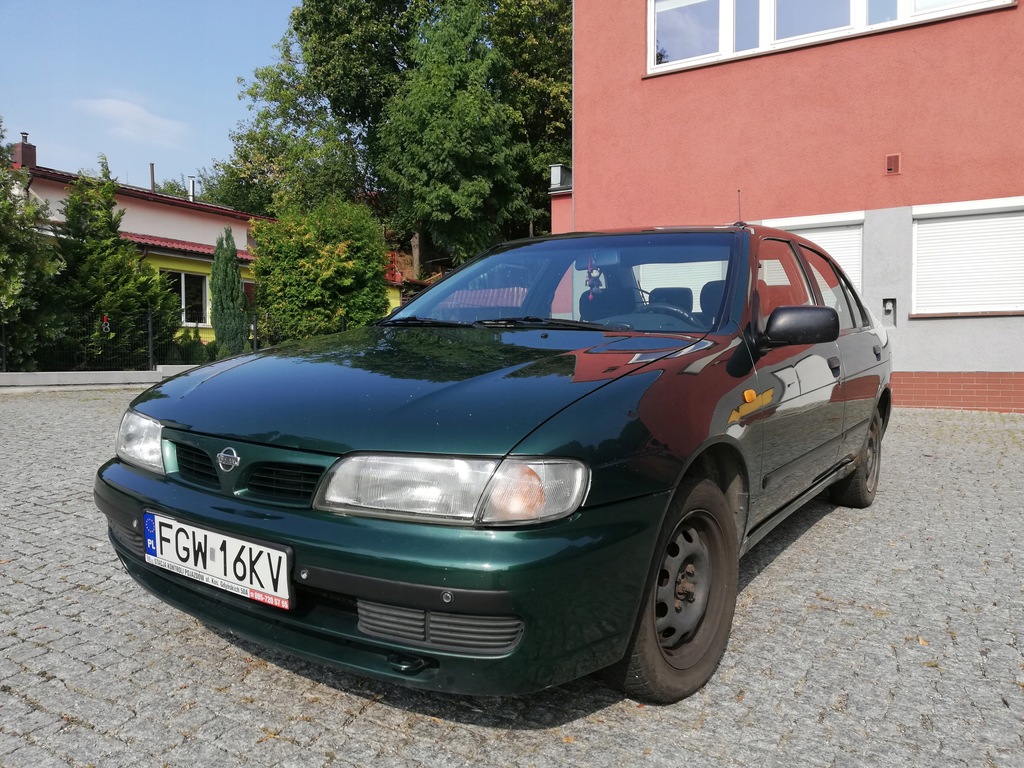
490,611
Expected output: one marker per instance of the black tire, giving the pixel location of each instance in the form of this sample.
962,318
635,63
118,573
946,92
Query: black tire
858,488
686,613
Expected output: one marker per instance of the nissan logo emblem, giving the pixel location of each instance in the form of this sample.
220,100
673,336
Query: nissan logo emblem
228,459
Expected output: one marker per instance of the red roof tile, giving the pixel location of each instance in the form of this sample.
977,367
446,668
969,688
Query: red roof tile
177,245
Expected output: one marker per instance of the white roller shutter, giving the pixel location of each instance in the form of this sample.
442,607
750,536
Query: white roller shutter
844,244
969,264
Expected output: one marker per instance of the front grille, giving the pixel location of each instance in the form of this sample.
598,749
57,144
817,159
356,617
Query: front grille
456,632
196,465
291,483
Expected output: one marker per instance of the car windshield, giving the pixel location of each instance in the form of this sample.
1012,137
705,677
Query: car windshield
669,282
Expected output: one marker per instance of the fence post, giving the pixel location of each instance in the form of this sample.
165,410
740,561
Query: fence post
3,347
149,338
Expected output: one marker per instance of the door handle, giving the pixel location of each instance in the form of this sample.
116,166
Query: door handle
878,352
833,363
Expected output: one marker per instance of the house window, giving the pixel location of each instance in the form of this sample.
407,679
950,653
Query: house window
191,289
686,28
969,262
805,17
840,235
689,33
249,289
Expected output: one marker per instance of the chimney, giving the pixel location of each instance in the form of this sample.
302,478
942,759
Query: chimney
192,188
24,153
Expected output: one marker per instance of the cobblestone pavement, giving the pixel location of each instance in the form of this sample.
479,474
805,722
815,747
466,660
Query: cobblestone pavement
882,637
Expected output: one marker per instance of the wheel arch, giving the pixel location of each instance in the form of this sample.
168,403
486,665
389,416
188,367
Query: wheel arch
884,407
723,464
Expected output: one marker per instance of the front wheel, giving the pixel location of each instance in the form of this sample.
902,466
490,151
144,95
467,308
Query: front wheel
687,610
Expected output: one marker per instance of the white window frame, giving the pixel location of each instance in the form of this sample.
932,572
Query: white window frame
181,295
976,280
905,16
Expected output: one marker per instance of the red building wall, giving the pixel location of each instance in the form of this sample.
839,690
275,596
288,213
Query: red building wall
800,132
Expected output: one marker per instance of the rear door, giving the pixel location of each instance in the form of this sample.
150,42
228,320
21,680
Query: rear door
860,350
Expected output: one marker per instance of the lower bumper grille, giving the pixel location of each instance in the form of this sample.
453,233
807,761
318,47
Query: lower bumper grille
128,539
455,632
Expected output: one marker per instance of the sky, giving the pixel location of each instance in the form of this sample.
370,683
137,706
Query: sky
140,81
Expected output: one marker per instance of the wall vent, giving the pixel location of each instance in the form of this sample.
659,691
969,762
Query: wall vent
892,164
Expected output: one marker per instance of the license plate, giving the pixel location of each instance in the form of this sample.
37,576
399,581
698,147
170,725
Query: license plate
256,571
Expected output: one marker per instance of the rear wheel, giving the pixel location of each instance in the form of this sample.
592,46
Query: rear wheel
858,489
687,610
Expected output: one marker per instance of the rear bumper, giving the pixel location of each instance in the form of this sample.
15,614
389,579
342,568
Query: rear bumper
488,612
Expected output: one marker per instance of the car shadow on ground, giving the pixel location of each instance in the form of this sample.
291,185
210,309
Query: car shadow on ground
550,708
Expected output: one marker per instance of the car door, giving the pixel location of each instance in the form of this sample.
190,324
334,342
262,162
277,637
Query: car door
804,422
860,350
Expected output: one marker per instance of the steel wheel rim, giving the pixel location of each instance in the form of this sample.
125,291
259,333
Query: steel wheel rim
683,589
871,458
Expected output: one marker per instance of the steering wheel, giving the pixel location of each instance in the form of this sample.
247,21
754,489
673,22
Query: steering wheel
671,311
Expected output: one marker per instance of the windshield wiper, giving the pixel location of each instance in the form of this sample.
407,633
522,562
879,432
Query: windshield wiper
427,321
551,322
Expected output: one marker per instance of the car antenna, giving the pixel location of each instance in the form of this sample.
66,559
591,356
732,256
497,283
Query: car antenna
739,204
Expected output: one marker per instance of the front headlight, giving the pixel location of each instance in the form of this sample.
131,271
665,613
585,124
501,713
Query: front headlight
138,442
454,491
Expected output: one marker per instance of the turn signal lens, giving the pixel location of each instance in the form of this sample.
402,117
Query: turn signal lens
524,490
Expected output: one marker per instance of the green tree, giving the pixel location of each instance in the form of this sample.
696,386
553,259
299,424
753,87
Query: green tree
534,37
227,316
229,184
27,262
357,53
320,271
449,146
177,187
322,116
104,275
293,149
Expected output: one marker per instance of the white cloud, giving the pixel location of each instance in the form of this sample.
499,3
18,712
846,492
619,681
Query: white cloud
133,122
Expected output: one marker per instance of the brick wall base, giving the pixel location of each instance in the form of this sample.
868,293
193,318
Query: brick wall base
1003,392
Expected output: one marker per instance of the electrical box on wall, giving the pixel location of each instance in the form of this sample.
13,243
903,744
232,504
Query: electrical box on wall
889,312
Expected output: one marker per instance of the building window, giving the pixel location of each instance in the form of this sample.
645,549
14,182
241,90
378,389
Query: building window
191,290
249,289
687,29
689,33
806,17
969,262
840,235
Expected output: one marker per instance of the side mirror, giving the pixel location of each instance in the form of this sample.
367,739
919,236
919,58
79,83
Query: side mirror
800,325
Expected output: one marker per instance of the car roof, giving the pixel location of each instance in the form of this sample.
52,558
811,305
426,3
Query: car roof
739,226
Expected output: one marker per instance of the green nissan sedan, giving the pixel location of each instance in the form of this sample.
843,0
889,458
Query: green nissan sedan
546,465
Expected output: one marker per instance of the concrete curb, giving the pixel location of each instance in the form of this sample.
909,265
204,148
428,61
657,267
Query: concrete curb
19,382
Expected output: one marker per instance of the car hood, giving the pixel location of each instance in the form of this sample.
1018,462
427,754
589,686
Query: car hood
429,390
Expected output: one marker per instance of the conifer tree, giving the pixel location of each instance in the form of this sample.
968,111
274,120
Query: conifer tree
105,276
227,316
27,262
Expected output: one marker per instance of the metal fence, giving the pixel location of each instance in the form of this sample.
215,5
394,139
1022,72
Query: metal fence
116,343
